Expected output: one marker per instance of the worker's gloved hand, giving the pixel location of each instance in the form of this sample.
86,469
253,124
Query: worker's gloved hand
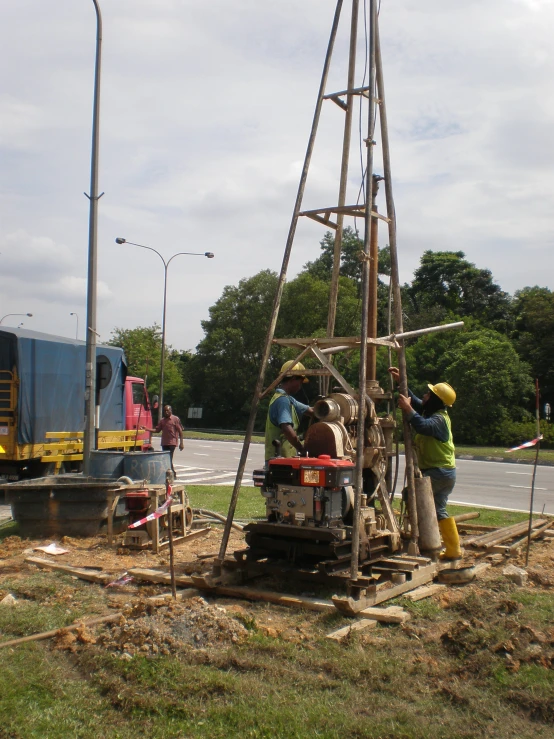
395,374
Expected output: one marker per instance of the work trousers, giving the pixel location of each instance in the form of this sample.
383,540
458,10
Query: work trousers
442,487
171,449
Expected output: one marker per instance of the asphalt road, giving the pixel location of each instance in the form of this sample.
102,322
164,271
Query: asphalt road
488,484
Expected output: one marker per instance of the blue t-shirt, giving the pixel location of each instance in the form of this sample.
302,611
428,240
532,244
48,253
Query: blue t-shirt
279,410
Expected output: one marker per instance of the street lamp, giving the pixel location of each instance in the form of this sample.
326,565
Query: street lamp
29,315
77,327
91,417
207,254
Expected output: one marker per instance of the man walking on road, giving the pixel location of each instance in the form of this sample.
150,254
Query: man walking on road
435,451
172,433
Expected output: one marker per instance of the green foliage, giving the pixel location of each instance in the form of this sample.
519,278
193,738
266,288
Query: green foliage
225,367
143,350
350,266
533,336
446,284
490,380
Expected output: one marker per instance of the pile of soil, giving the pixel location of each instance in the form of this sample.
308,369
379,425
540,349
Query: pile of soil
147,630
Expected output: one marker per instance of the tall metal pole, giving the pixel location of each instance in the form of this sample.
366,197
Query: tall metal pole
91,422
208,254
162,361
77,326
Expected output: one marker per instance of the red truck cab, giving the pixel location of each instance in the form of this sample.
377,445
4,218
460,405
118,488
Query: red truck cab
138,411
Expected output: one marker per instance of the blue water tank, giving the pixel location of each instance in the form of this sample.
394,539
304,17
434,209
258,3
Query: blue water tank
149,466
106,465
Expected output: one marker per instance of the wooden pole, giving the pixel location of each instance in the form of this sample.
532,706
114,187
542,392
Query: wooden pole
537,447
168,481
395,279
278,295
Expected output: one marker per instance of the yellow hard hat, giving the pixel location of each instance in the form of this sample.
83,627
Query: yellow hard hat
445,392
293,370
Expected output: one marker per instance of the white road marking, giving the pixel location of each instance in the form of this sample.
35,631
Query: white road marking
206,478
243,484
518,473
200,454
525,487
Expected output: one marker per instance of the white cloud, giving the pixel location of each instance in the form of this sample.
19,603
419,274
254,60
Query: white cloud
206,111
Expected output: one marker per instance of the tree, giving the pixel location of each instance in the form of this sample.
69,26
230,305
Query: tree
446,286
533,337
491,382
225,367
351,248
143,349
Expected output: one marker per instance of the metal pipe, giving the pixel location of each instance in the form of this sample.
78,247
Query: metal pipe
423,331
89,437
279,293
358,488
77,326
373,287
404,335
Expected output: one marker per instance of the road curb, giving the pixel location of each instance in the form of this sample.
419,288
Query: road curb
513,460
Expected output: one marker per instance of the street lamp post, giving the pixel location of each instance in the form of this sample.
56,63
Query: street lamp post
91,421
77,327
29,315
166,264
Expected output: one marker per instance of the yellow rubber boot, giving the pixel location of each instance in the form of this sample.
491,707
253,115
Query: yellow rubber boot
449,533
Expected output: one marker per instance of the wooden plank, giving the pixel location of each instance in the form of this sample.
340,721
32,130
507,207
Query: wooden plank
390,615
146,575
81,573
55,632
426,591
238,591
503,534
352,607
342,634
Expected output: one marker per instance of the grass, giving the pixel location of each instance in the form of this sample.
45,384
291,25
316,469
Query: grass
442,675
394,686
523,455
250,503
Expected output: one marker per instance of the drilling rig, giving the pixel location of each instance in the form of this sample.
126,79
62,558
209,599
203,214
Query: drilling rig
328,513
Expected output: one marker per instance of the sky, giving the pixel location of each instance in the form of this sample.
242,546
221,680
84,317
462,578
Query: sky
206,109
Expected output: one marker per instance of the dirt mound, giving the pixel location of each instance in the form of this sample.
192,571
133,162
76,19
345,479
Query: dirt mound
11,546
147,630
519,643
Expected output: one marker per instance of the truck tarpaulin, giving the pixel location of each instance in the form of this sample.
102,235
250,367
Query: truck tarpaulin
51,374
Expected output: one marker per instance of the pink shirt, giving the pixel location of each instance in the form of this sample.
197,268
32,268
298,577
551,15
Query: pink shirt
170,428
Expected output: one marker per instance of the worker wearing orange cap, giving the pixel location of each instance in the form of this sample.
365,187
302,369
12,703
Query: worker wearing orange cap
285,412
434,444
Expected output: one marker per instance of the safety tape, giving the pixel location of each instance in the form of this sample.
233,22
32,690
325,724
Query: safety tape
526,445
157,513
123,580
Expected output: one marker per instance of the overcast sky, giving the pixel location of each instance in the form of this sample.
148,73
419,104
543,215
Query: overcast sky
206,110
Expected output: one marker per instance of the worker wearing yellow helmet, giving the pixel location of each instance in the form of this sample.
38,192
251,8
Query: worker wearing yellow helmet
435,451
285,412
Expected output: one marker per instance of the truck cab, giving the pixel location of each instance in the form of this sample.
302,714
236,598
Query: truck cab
138,411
